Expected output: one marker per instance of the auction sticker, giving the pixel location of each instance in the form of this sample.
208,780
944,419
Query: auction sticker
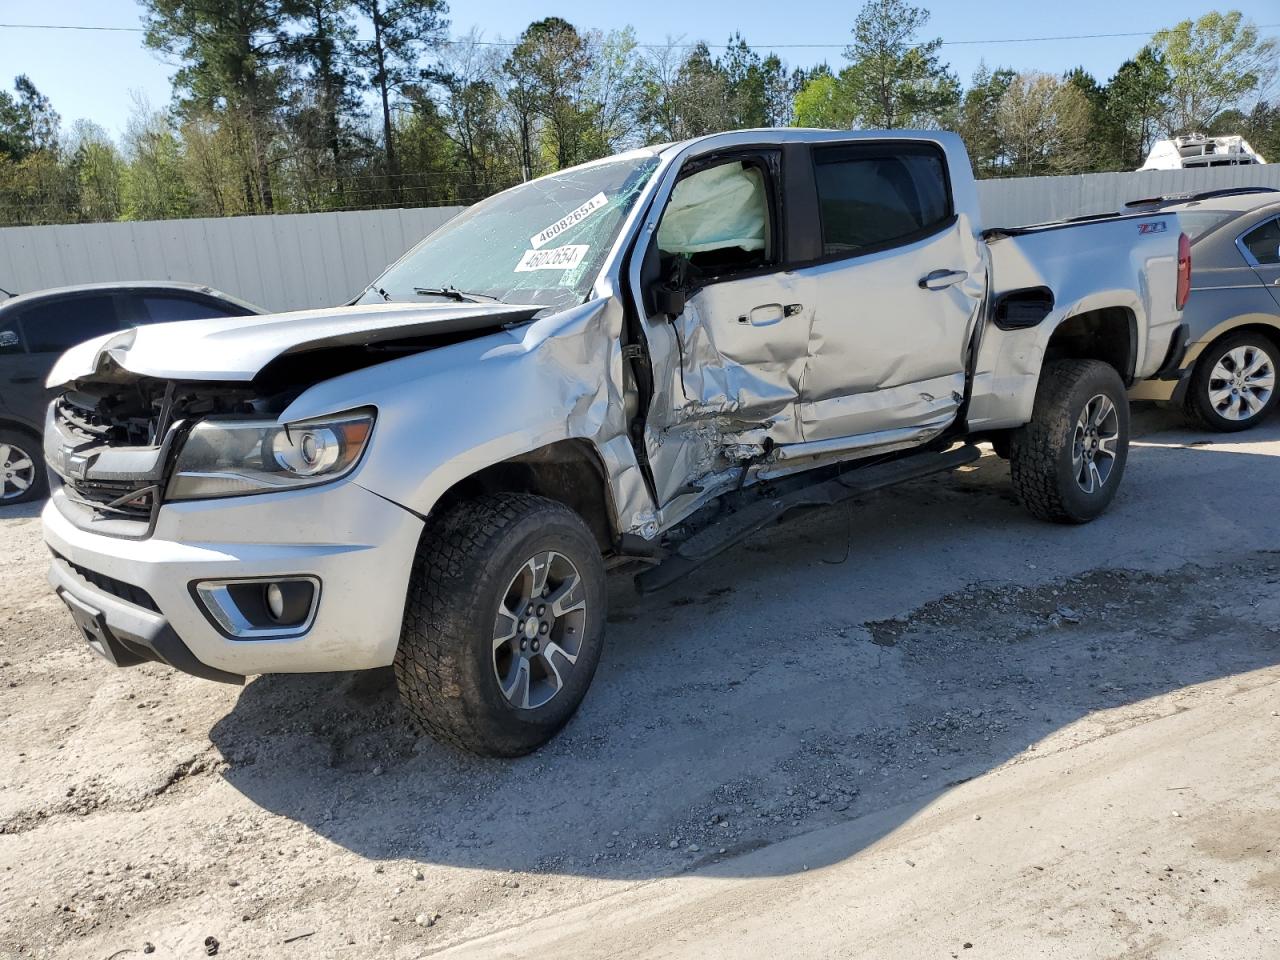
542,238
557,258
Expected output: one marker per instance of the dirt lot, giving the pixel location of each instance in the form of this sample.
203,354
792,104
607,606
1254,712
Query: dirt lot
926,726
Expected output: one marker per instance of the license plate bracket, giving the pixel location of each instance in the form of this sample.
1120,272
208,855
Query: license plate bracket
93,627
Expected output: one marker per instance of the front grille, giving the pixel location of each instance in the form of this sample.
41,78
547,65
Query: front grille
84,432
113,498
117,588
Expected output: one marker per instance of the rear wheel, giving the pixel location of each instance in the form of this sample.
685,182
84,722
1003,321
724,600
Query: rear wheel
503,625
22,473
1066,464
1233,386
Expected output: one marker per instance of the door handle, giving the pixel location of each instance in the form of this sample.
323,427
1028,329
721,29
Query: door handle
24,380
768,314
941,279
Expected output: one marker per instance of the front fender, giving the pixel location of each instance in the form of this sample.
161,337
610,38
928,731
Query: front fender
448,413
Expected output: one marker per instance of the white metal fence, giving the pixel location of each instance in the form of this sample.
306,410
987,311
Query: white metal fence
284,262
294,261
1037,199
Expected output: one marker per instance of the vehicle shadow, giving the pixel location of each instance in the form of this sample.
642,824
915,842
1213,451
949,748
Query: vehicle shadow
844,664
21,511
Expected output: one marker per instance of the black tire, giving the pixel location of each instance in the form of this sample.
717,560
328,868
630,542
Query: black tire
1201,409
1042,455
445,665
12,471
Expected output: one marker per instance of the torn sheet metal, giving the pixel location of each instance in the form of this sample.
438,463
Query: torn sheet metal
453,412
726,376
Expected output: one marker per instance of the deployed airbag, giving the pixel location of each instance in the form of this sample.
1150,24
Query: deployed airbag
715,209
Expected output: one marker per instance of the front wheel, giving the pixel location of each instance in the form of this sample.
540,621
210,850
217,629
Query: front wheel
1066,464
503,624
1233,385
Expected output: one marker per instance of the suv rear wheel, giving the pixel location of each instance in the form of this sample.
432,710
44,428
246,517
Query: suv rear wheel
1066,464
22,476
1233,385
503,625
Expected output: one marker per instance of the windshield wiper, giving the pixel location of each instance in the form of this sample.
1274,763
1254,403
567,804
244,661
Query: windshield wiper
453,293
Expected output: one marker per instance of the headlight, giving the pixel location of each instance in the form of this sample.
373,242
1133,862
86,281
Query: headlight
228,458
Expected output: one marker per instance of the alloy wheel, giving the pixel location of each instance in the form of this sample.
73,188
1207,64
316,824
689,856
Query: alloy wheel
539,629
1094,443
1241,383
17,471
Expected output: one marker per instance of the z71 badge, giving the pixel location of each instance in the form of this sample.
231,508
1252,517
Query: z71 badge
1155,226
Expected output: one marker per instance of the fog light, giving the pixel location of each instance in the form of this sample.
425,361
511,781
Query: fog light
260,608
275,602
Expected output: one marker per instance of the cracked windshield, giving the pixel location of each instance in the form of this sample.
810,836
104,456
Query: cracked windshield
540,243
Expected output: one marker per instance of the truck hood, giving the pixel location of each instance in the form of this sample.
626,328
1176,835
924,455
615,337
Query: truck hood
237,348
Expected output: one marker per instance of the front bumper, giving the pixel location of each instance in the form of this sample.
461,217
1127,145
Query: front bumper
359,546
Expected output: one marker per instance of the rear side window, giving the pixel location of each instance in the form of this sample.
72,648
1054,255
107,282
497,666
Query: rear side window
872,196
166,308
54,326
1263,242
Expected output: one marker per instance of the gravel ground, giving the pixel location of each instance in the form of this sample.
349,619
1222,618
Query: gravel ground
850,667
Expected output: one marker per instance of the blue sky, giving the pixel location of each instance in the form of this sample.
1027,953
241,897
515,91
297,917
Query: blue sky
94,74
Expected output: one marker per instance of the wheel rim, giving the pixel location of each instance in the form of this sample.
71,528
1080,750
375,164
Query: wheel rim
17,471
1094,444
1241,383
539,630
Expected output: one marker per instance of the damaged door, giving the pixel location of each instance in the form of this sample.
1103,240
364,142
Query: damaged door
741,332
896,289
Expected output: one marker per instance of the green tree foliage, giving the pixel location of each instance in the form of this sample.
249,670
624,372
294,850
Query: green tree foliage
1134,103
552,58
98,171
1043,125
233,72
153,187
1213,62
299,105
978,119
895,81
1259,126
402,31
824,101
892,79
28,122
323,106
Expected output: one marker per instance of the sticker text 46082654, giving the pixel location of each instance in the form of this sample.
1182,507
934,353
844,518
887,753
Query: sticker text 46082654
570,219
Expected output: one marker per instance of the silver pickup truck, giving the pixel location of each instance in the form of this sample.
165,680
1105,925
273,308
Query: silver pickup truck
637,362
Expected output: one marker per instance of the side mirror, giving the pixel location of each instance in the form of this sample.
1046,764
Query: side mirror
668,300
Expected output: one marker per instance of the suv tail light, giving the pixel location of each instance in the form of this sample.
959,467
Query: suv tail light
1184,271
